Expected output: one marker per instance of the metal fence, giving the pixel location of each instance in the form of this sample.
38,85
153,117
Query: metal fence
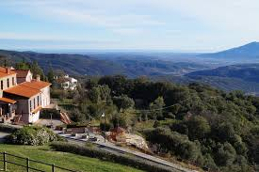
6,159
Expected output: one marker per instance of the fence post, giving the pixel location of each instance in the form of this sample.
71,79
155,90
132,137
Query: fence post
27,164
53,167
5,159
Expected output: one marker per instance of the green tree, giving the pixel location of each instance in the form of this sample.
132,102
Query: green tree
51,75
198,127
225,155
22,65
123,102
156,108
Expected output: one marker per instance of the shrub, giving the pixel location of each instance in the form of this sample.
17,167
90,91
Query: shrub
174,143
32,135
108,156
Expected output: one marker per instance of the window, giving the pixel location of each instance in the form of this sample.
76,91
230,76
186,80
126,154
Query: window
38,100
13,81
8,83
30,106
34,103
2,84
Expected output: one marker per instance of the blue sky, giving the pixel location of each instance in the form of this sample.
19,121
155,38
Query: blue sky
174,25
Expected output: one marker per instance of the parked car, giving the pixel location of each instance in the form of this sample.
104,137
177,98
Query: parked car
93,139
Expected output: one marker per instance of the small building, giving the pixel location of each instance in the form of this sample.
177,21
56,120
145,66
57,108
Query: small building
66,82
23,75
24,98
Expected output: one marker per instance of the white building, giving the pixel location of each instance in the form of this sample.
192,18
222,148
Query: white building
66,82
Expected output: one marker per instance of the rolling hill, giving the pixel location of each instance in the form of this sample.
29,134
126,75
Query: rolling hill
246,72
132,65
235,77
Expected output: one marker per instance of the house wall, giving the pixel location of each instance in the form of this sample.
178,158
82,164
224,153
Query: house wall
20,80
23,109
45,96
34,117
65,85
28,78
4,85
26,106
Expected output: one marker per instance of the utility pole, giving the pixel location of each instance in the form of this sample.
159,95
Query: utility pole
104,135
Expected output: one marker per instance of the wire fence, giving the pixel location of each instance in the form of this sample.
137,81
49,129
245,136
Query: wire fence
26,164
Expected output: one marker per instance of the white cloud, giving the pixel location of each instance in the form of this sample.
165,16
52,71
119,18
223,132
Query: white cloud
209,23
80,12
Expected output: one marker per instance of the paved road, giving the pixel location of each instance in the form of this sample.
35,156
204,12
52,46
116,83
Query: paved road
108,146
2,136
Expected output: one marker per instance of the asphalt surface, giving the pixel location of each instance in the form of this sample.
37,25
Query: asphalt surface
107,146
2,136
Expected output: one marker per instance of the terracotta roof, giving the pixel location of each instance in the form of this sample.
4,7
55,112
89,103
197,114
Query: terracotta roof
36,84
6,100
23,91
3,72
28,89
22,73
62,80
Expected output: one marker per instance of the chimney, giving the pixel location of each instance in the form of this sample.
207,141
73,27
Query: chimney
37,77
8,70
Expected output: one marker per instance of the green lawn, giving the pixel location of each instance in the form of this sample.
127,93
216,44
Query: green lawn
62,159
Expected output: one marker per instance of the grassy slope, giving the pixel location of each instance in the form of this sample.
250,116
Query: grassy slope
67,160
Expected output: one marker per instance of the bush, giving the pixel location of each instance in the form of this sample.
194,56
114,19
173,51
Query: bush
32,135
174,143
107,156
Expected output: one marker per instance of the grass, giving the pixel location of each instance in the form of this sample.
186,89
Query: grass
67,160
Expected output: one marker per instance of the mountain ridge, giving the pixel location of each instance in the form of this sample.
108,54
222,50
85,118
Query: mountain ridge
250,50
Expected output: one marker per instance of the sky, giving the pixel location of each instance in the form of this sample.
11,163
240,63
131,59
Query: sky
164,25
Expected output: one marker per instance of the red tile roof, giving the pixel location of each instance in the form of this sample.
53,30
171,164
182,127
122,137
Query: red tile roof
36,84
28,89
3,72
23,91
6,100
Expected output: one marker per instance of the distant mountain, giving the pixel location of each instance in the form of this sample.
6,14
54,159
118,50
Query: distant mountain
71,63
130,64
246,72
248,51
223,83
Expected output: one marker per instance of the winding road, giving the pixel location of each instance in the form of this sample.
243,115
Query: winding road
107,146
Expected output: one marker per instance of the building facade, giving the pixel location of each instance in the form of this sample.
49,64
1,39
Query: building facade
66,82
22,96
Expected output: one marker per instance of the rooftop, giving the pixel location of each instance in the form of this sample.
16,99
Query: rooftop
6,72
23,91
28,89
6,100
36,84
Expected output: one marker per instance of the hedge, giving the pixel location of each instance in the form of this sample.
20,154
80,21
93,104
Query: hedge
125,159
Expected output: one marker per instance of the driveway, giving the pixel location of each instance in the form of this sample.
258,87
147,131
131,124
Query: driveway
2,136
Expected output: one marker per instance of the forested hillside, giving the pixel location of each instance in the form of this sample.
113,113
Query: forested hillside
132,65
194,123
